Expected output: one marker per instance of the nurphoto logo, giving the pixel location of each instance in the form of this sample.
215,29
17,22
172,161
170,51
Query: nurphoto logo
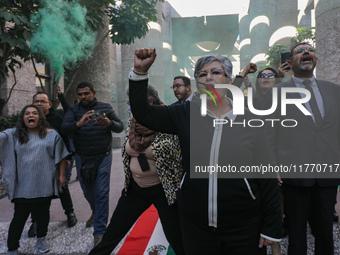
238,105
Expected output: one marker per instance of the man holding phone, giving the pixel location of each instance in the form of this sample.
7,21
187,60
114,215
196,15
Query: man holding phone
309,195
285,56
284,69
90,123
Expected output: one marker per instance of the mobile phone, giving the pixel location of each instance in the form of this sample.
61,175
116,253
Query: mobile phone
285,56
143,162
97,115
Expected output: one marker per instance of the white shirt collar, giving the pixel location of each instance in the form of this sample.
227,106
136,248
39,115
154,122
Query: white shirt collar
299,81
190,97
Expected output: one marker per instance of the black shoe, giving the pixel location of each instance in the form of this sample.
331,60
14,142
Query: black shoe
32,232
335,217
71,220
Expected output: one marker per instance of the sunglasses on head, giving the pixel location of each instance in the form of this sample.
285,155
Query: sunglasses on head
264,75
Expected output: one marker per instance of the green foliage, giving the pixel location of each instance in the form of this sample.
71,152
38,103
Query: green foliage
274,54
8,122
15,33
95,11
304,34
129,21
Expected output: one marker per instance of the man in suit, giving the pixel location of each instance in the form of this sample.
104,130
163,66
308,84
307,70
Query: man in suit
314,140
182,89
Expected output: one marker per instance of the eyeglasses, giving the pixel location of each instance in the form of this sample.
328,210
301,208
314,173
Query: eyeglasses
40,102
176,86
301,50
264,75
214,72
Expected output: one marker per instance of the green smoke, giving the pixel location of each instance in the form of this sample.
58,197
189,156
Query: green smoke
62,36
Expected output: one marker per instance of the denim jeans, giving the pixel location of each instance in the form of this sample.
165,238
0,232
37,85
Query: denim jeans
97,193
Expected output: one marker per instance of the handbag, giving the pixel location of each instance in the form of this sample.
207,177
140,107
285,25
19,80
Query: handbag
89,168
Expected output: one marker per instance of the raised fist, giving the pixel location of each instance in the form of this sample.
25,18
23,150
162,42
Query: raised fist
144,58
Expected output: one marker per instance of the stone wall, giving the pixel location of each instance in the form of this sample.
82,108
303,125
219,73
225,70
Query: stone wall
23,90
327,17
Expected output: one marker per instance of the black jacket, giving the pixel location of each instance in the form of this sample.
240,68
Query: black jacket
55,122
307,144
91,139
238,205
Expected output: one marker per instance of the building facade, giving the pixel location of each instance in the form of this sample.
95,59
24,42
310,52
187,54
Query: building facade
186,30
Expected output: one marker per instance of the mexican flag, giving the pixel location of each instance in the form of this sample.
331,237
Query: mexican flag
147,237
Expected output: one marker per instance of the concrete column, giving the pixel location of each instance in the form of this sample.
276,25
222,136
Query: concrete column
127,58
114,79
267,23
95,70
259,30
167,54
154,39
245,43
283,16
327,15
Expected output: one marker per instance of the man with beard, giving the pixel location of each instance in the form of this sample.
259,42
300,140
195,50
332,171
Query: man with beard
309,195
182,89
91,123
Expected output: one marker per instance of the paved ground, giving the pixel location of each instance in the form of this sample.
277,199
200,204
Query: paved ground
79,240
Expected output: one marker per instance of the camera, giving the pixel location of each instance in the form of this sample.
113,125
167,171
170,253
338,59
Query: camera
97,115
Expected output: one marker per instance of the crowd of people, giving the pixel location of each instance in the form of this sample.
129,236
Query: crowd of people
209,212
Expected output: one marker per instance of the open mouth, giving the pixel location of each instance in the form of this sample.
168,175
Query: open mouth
31,121
306,58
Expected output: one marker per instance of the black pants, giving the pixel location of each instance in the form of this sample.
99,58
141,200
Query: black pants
22,210
313,204
66,202
65,199
130,206
199,239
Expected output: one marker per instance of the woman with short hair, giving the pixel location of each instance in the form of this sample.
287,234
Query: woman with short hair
219,214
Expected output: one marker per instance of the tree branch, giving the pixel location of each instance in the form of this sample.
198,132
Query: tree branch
37,74
10,92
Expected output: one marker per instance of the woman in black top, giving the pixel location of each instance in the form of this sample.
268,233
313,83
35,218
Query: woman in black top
219,215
